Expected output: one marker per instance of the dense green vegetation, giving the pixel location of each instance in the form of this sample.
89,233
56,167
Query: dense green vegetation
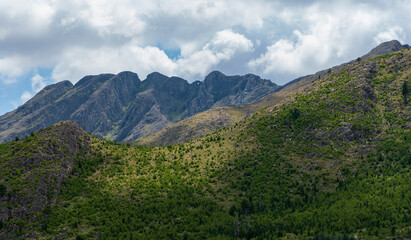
405,91
332,163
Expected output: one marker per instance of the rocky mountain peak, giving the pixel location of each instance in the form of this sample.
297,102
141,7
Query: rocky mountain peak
214,75
128,74
48,94
62,84
250,75
161,83
385,48
93,79
214,78
155,76
154,80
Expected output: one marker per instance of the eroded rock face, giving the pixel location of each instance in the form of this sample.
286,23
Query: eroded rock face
123,108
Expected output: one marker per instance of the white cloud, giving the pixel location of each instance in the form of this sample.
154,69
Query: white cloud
391,33
291,38
45,33
222,47
144,60
111,60
8,80
327,39
228,42
37,83
25,96
12,67
25,18
112,17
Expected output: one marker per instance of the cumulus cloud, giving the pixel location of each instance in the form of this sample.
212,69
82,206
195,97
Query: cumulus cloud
37,83
43,33
144,60
327,39
12,67
222,47
19,17
391,33
25,96
94,61
279,40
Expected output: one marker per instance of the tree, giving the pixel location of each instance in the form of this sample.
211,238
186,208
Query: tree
294,113
3,189
405,91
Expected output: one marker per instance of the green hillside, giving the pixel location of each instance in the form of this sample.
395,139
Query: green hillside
331,162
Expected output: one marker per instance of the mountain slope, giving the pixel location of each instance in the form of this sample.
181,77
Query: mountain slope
123,108
207,122
214,119
331,161
196,126
33,169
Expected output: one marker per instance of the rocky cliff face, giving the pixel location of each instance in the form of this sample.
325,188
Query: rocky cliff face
123,108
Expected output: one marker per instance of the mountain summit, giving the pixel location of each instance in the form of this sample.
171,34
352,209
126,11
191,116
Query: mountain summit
385,48
123,108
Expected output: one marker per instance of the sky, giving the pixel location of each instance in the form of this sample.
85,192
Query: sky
47,41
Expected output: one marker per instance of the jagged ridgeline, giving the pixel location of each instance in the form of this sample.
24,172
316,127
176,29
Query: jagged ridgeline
331,162
123,108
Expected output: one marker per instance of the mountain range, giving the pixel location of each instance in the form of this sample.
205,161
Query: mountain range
211,120
123,108
326,157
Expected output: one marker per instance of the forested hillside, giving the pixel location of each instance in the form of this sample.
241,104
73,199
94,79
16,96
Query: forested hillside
331,162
